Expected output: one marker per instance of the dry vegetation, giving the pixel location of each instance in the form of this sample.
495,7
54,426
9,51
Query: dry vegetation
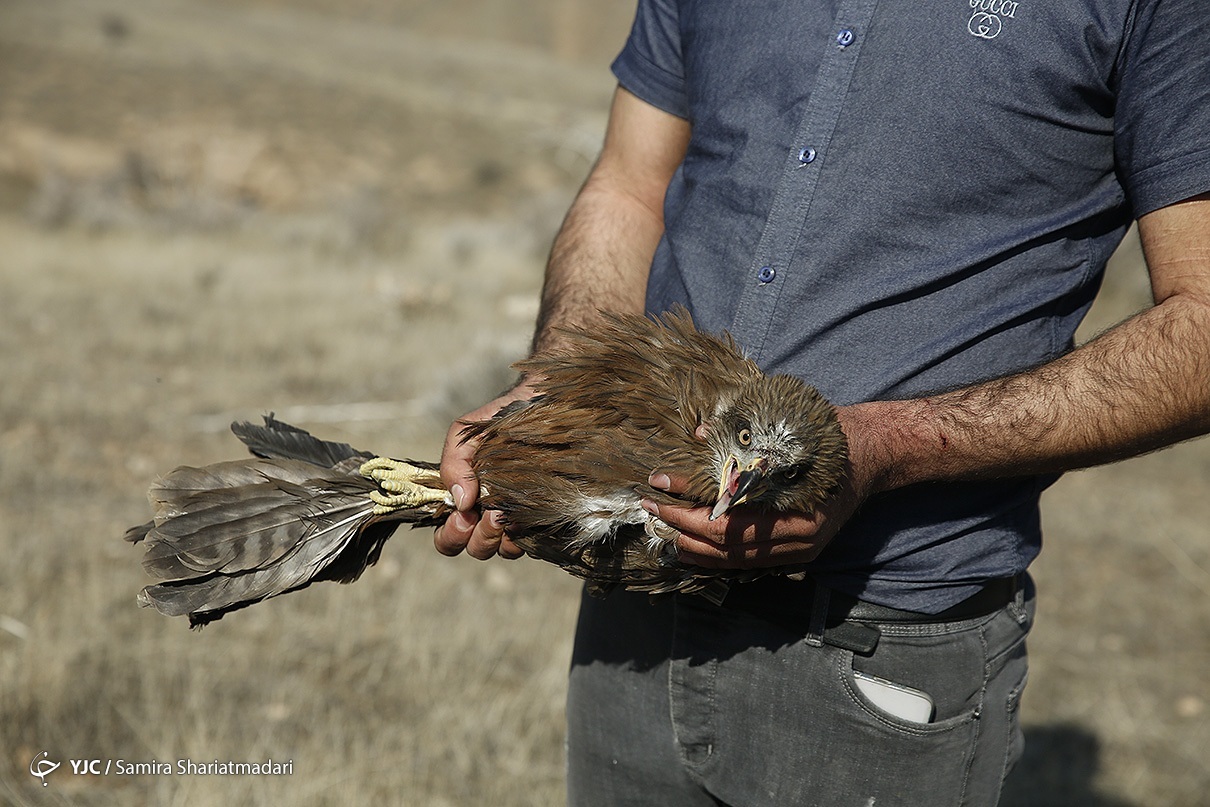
339,211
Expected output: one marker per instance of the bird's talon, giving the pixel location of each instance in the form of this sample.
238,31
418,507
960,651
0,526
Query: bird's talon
402,484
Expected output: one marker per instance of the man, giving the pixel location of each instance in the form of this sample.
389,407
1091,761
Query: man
910,205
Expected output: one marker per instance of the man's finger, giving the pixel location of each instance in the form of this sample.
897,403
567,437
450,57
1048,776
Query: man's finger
452,536
695,520
485,539
661,480
509,550
748,555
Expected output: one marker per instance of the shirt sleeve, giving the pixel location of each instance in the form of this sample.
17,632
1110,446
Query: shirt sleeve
1162,120
650,65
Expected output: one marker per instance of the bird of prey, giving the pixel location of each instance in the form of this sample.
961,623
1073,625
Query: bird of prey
567,469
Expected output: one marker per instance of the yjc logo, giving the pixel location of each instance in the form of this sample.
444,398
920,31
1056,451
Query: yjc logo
43,767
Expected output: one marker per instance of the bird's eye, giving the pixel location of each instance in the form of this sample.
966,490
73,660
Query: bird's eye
745,437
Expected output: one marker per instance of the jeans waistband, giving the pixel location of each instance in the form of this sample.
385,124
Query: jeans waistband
846,621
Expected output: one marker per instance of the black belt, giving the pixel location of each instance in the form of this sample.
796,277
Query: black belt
792,605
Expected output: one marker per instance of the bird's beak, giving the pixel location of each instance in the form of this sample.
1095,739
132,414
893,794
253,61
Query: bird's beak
738,486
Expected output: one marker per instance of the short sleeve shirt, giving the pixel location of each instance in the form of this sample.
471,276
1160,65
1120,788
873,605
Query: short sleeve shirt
889,198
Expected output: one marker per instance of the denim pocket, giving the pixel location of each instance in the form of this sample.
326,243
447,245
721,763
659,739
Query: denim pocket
975,671
894,721
886,754
949,662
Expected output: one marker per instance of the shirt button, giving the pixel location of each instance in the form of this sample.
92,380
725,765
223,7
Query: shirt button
766,274
845,38
807,155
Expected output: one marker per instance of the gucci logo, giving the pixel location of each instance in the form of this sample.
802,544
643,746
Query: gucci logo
987,17
984,25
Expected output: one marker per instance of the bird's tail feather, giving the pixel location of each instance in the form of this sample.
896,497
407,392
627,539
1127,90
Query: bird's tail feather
234,536
207,595
227,535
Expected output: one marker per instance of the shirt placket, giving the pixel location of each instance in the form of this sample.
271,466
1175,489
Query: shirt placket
771,268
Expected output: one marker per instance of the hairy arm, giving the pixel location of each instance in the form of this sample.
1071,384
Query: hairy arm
1138,387
602,254
600,260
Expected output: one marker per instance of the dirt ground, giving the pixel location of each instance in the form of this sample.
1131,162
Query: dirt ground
339,211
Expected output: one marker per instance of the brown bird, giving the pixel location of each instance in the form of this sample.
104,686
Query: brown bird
567,469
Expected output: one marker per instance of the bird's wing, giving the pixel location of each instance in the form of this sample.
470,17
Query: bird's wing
614,404
663,373
281,440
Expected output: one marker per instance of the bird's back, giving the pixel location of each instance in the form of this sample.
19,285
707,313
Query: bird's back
614,404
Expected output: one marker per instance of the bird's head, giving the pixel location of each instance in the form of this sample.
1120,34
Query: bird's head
777,445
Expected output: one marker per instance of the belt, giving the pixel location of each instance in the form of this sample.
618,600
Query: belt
845,621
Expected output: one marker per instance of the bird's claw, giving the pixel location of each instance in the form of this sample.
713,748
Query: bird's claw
402,485
661,539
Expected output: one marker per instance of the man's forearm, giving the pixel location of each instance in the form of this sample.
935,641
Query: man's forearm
602,254
1138,387
1141,386
600,259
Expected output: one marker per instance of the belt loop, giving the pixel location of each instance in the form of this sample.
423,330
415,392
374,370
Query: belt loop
819,615
1017,606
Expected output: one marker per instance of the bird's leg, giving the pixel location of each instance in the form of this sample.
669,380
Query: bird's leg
405,485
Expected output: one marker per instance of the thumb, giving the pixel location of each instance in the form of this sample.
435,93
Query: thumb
457,473
457,455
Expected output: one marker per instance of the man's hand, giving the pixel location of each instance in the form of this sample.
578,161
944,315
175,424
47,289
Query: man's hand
742,538
746,539
482,536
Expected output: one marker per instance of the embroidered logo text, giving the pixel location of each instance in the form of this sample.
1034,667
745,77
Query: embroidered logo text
987,17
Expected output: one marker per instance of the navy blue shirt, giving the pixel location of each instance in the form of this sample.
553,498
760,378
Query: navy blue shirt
889,198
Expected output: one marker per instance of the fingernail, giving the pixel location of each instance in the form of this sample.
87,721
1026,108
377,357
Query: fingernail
650,506
464,522
659,481
458,492
493,519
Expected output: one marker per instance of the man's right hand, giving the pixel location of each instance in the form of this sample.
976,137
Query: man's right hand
480,534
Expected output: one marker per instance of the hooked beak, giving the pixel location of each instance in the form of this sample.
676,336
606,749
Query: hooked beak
738,486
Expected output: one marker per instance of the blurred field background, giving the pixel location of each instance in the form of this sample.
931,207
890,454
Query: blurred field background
339,211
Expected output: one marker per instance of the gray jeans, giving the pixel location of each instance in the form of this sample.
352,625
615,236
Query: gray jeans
679,702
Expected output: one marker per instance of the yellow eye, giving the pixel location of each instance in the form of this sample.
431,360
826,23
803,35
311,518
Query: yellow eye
745,437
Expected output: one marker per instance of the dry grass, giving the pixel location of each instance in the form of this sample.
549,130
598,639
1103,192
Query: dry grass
429,677
203,219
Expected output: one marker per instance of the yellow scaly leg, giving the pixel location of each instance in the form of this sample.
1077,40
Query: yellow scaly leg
406,485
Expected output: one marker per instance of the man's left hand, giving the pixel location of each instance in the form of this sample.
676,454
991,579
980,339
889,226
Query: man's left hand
745,538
